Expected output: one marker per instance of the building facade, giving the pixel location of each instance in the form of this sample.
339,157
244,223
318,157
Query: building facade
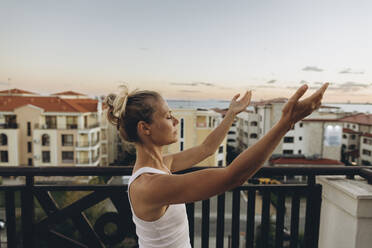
64,129
193,127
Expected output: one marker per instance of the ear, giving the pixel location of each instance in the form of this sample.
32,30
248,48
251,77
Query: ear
143,128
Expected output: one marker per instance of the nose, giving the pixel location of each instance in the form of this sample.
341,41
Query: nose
175,121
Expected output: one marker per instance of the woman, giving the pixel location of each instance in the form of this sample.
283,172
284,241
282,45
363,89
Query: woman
158,197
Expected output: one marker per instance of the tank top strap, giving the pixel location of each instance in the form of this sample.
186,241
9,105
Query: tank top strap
143,170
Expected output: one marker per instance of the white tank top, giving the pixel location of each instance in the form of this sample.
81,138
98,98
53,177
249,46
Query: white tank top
170,230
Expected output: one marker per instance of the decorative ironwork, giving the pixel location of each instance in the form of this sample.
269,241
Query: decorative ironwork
94,235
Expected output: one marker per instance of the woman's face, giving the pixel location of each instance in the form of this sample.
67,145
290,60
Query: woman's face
164,124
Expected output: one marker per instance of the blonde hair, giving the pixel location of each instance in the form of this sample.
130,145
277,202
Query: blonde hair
126,109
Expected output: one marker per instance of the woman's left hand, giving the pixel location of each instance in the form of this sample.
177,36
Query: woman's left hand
238,106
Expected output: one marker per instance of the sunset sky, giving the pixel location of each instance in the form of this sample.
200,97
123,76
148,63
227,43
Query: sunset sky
188,49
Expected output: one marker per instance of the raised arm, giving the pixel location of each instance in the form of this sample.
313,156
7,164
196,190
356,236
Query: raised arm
187,158
202,184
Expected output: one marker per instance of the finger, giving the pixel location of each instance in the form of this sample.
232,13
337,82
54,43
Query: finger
236,97
299,93
247,96
320,92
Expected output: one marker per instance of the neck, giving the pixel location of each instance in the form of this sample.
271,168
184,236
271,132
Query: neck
149,156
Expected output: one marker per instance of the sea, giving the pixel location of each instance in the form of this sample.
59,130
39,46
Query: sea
221,104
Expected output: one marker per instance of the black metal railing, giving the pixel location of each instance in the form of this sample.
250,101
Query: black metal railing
267,232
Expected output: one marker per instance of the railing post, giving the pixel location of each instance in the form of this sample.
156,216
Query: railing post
313,206
10,218
235,233
205,223
220,220
27,204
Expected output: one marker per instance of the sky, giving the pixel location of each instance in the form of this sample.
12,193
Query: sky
188,49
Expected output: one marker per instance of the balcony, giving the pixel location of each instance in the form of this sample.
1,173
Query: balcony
45,126
8,126
71,126
83,144
44,232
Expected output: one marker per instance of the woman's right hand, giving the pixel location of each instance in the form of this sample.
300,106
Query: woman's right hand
295,110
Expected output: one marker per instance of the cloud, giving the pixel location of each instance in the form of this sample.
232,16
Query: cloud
205,84
184,84
354,84
263,86
189,91
3,83
143,48
194,84
312,68
271,81
351,86
349,71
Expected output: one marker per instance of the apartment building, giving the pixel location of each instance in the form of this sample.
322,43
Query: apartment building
247,129
317,136
356,139
63,129
194,126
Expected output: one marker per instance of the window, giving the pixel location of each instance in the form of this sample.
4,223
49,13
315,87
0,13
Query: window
67,139
231,132
287,151
51,122
220,163
344,136
220,149
67,157
288,139
300,124
28,128
365,162
366,152
367,141
299,152
352,136
182,128
253,136
300,138
46,156
29,146
4,156
254,123
45,140
352,147
30,161
230,140
348,125
353,126
3,139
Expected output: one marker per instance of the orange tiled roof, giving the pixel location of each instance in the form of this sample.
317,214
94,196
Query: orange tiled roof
348,130
365,119
322,161
270,101
49,104
367,135
320,119
68,93
16,91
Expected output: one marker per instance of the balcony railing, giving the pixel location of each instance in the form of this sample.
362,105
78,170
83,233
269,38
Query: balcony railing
8,126
87,143
45,233
45,126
